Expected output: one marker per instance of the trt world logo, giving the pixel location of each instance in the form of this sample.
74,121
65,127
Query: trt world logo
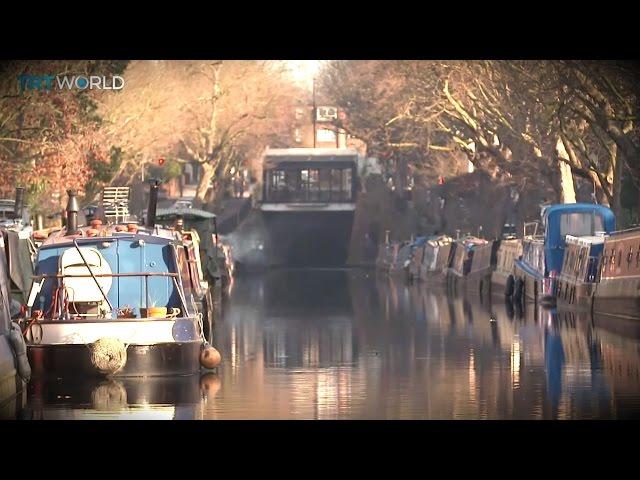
68,82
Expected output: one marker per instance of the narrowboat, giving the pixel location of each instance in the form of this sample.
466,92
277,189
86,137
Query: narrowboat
388,255
483,263
116,299
543,255
618,289
431,260
416,260
20,249
198,230
402,259
576,282
401,267
14,367
462,261
503,277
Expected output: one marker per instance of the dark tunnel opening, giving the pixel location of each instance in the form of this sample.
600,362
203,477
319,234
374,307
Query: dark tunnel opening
309,239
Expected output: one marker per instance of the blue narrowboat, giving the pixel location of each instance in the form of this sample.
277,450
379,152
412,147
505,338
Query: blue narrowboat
116,299
543,256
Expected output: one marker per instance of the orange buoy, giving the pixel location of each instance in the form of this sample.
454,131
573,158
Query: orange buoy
210,357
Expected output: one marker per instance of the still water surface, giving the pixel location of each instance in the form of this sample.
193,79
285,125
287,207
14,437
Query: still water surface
347,344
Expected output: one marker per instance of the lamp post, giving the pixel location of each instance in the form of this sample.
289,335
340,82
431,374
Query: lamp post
313,89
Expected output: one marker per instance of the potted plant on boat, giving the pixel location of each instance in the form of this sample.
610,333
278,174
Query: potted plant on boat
126,311
153,311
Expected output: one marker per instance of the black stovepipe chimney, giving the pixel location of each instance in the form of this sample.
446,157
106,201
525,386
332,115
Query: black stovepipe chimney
72,213
19,203
153,202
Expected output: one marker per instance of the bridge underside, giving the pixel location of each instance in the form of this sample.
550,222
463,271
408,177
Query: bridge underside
308,239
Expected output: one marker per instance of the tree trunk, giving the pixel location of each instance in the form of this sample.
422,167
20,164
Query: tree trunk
203,185
567,190
615,179
566,182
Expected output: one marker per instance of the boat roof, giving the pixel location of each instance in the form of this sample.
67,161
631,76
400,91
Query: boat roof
108,232
187,213
576,208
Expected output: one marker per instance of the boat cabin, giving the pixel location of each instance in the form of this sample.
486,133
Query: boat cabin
102,277
575,219
543,256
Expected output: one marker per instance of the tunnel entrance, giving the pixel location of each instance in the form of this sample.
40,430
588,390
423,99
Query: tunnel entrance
309,239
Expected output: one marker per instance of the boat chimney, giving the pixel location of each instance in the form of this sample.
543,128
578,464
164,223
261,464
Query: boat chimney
72,213
153,202
19,203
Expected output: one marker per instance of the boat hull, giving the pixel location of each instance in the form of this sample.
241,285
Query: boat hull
574,296
171,358
532,286
619,297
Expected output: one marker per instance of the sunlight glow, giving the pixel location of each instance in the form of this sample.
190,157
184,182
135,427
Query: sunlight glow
303,71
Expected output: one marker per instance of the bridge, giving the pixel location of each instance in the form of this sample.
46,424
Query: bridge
306,207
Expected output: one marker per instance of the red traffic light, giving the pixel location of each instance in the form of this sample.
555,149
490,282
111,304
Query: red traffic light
161,161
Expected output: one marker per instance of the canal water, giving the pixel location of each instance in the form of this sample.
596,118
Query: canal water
350,344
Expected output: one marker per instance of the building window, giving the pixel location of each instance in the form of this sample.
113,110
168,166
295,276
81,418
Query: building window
325,135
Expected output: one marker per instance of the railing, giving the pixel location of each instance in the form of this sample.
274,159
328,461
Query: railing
528,225
146,275
533,253
626,230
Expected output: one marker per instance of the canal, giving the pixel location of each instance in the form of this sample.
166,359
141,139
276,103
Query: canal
349,344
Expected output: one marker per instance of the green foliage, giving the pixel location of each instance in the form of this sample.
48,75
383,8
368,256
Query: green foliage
172,169
167,172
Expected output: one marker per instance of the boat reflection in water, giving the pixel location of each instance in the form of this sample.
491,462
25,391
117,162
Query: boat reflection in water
348,344
150,398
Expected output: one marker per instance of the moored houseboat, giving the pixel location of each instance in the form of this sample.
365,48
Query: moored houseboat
503,277
483,263
19,248
618,289
14,367
387,255
416,261
542,256
438,253
462,260
115,299
401,267
576,282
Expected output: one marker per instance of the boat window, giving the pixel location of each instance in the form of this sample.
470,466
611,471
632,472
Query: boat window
580,224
